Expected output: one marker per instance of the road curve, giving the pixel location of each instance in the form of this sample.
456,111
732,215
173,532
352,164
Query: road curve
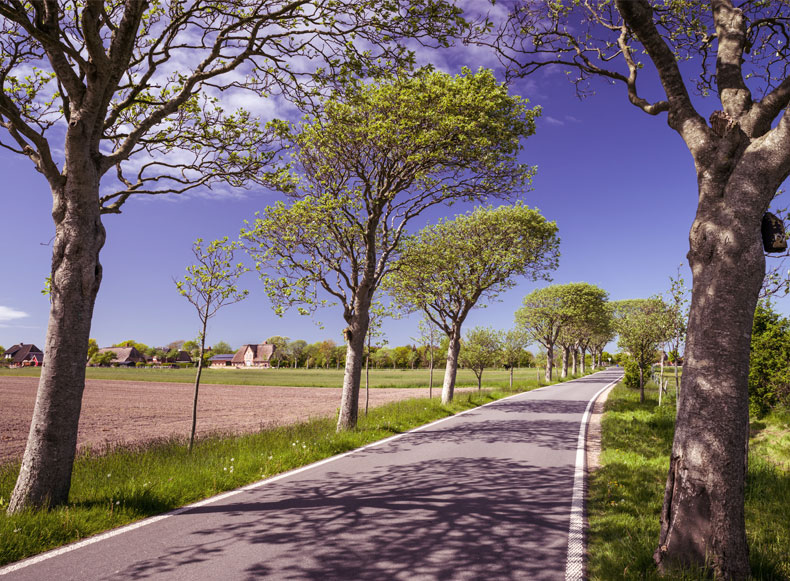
482,495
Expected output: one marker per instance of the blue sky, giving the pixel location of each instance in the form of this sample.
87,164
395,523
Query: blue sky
619,183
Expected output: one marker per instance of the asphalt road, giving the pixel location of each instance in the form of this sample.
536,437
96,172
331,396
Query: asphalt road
484,495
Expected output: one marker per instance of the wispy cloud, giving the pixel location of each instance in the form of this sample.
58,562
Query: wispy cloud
9,314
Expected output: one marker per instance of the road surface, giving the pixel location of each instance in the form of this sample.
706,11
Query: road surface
484,495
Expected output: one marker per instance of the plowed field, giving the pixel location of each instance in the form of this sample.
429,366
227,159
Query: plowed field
128,412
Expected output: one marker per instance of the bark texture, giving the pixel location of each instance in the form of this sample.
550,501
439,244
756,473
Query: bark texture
549,363
355,356
45,475
703,516
453,349
740,161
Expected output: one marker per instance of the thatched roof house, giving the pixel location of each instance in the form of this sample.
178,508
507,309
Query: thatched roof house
254,355
127,356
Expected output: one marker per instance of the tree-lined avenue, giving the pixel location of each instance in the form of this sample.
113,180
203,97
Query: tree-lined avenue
486,494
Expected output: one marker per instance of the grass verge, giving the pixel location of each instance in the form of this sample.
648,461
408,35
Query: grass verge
405,378
626,493
123,485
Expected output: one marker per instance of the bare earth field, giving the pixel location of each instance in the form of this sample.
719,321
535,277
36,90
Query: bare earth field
129,412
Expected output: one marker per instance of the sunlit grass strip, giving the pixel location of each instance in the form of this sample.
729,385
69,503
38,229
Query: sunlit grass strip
626,493
125,485
403,378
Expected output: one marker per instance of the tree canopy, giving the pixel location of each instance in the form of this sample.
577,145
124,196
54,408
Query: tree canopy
566,315
448,269
481,348
642,325
373,158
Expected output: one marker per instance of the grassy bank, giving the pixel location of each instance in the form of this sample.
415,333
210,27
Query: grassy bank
523,378
126,485
625,495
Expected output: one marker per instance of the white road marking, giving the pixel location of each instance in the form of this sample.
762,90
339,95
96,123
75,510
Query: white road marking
574,568
151,520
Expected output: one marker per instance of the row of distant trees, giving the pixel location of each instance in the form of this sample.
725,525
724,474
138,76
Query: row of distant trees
326,354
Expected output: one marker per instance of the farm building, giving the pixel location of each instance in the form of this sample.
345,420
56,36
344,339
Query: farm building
254,355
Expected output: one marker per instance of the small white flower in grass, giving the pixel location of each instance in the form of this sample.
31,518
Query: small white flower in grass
270,457
17,530
117,502
109,475
225,469
232,459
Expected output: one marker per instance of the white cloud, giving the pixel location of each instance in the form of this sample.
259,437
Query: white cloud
553,120
9,314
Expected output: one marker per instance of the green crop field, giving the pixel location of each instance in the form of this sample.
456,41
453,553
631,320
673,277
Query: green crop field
299,377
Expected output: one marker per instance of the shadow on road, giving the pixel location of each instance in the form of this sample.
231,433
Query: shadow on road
404,522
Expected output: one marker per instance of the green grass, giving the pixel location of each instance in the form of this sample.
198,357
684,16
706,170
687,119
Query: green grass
523,378
626,493
125,485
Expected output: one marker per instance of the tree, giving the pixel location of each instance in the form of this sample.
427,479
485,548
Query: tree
741,158
326,349
209,285
374,158
93,348
428,333
222,348
513,343
481,348
602,336
677,301
297,348
586,305
642,326
448,269
141,347
103,359
132,88
543,316
281,350
382,357
769,369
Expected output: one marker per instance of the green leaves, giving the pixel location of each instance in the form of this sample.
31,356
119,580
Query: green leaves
642,325
211,282
369,161
446,269
574,313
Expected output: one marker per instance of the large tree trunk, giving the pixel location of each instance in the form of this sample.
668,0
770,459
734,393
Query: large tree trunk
565,356
355,355
453,349
45,476
549,362
702,520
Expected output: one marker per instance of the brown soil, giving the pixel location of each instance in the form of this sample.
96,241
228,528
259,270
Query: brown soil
127,412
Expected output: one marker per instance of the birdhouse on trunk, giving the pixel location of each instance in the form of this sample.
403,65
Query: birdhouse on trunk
773,231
